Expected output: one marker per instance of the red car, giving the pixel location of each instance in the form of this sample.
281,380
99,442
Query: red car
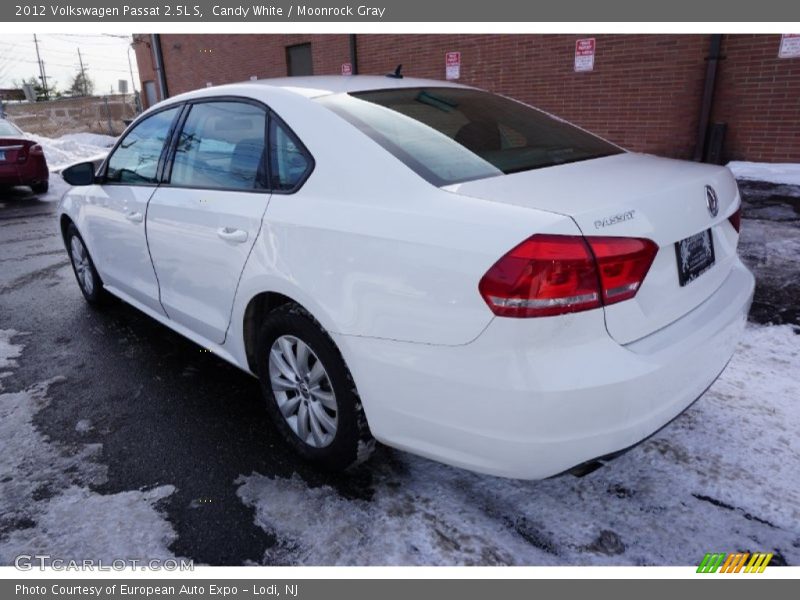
22,160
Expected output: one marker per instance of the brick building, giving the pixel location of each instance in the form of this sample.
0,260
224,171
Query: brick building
645,92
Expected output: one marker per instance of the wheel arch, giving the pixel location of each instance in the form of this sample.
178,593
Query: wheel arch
257,308
64,221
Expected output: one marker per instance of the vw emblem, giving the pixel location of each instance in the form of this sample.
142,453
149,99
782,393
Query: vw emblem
711,201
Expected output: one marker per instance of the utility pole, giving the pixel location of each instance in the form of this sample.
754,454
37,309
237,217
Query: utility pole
46,89
84,89
41,69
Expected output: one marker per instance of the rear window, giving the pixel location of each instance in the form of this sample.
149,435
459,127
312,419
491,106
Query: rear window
8,129
452,135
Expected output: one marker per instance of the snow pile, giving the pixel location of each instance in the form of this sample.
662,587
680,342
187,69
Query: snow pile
46,505
779,173
74,147
722,477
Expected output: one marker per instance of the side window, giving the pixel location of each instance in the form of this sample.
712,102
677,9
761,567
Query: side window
289,160
135,160
221,146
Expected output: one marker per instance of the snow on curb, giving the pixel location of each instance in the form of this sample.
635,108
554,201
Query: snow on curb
778,173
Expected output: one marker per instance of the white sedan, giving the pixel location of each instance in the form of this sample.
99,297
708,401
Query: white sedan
429,265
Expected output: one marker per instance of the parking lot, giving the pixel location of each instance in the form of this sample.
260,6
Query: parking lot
121,439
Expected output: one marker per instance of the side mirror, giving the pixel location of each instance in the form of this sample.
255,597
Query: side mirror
80,174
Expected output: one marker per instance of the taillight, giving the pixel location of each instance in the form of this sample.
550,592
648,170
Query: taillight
736,219
37,150
556,274
623,264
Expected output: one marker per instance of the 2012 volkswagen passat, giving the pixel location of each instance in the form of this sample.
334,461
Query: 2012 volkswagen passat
444,270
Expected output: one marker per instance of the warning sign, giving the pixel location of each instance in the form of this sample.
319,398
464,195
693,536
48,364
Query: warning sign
452,65
347,69
790,46
584,55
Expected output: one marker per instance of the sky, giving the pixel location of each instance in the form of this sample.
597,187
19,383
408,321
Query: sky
105,57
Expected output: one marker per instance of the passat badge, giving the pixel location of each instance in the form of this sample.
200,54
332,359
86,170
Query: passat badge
711,201
614,219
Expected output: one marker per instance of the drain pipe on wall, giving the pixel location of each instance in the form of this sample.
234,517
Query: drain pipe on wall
158,58
708,96
354,53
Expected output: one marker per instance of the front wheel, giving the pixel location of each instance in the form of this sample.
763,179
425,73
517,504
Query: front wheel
88,280
310,393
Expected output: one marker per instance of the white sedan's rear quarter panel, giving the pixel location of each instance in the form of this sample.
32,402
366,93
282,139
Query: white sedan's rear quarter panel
371,249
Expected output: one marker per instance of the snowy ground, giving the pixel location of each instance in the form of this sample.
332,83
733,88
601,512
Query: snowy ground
47,505
780,173
107,467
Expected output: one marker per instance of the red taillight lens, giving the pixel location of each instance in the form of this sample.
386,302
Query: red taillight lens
556,274
544,275
37,150
736,219
622,264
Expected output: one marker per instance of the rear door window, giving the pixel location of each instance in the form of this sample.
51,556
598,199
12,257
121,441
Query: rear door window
222,146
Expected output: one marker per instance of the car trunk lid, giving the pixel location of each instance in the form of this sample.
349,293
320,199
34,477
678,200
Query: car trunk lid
635,195
14,150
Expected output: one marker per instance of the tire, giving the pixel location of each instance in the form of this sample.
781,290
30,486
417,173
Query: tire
337,448
82,265
41,187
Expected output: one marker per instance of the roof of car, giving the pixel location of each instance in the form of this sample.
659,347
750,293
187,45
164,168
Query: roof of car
312,86
323,85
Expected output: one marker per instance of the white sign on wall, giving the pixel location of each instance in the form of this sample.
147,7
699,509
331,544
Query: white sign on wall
584,54
790,46
452,65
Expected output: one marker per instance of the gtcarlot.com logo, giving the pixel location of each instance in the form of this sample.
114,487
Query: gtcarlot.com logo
28,562
739,562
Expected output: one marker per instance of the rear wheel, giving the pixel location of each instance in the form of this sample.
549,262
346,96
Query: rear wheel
41,187
310,394
88,280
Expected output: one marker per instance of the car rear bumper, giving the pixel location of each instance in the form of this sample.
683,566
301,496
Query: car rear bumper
27,173
530,398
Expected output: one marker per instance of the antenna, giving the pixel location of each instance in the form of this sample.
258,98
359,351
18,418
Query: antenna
397,74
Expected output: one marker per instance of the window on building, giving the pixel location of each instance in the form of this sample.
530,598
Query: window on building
298,60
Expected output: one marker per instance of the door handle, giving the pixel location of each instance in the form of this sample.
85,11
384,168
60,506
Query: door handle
232,235
134,217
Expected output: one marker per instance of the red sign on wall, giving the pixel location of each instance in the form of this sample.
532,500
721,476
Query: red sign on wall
347,69
452,65
584,54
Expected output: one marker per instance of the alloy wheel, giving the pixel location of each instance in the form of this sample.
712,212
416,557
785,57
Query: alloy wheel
303,391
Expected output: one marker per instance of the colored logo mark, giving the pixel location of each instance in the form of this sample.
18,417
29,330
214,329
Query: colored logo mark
735,562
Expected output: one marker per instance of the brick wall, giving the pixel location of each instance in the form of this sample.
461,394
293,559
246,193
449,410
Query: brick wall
758,96
644,93
193,60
